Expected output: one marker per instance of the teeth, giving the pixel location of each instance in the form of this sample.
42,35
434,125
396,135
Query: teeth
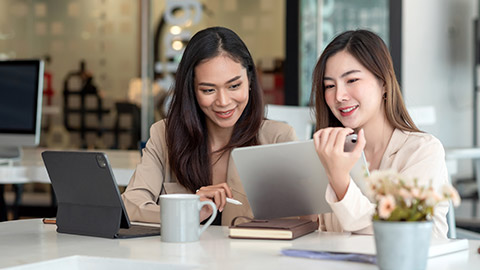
225,113
349,109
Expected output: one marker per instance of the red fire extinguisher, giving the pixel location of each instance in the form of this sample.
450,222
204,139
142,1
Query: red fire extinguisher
47,87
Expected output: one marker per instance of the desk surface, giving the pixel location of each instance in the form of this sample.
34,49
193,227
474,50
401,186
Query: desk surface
31,168
31,241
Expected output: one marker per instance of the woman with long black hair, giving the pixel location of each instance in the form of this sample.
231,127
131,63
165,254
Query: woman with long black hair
217,105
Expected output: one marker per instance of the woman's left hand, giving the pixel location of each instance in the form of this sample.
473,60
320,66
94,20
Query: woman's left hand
329,144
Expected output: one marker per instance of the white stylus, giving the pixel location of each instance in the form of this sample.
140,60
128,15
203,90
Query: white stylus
233,201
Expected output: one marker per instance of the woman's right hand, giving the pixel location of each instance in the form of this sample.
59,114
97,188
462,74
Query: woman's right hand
329,144
217,194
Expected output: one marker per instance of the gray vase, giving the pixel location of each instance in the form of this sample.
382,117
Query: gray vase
402,245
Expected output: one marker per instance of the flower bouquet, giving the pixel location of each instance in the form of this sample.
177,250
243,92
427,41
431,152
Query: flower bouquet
402,219
399,198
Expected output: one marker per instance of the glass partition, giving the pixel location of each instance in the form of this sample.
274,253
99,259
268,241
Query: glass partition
322,20
90,47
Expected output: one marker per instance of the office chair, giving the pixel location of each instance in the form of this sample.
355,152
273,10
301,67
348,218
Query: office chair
300,118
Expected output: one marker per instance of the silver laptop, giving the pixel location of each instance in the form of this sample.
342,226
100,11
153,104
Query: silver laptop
286,179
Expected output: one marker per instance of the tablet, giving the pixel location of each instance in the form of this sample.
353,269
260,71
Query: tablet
89,201
287,179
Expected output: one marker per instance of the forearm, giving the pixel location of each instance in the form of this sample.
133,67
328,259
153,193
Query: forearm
140,208
339,184
354,211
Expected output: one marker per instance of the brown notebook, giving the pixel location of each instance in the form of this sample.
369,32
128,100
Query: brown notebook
273,229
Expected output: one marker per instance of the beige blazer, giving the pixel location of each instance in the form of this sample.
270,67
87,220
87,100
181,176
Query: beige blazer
416,155
153,176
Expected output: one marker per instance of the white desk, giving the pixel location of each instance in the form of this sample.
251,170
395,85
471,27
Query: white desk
31,168
30,241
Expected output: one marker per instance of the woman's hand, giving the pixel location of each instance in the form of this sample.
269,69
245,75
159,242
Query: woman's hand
216,193
329,144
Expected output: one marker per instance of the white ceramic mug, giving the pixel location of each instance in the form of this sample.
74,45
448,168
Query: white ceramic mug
180,217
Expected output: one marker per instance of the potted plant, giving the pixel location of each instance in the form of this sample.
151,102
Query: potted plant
402,220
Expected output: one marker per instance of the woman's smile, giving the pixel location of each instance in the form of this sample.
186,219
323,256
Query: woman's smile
225,114
347,111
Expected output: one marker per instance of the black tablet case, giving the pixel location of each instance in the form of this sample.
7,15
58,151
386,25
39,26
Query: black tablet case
89,201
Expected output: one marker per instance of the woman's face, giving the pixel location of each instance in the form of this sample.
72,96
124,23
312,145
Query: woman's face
221,88
352,92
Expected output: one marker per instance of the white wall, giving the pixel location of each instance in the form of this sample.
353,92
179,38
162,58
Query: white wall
437,66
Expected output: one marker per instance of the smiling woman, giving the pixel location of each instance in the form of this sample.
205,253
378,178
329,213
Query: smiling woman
217,105
356,91
222,98
348,84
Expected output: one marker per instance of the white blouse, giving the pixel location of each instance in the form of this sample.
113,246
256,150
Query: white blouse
412,154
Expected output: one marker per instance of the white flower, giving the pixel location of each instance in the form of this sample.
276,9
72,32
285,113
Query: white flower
425,192
432,197
374,178
451,193
386,205
416,192
415,199
409,183
406,195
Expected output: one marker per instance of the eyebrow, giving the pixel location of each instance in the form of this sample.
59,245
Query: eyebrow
229,81
343,75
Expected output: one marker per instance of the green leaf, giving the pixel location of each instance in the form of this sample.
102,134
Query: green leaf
398,214
416,217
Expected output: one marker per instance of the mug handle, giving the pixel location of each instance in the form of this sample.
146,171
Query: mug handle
211,219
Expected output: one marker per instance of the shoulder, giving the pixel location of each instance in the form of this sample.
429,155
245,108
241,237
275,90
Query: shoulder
411,142
158,126
272,125
272,131
157,133
420,138
418,155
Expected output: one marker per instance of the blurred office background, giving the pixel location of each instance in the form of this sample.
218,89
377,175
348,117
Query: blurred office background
121,57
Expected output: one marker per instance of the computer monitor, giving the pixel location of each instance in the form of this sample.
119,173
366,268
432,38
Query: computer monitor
21,90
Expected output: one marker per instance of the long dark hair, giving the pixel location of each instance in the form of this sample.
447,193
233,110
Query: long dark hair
186,132
370,50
